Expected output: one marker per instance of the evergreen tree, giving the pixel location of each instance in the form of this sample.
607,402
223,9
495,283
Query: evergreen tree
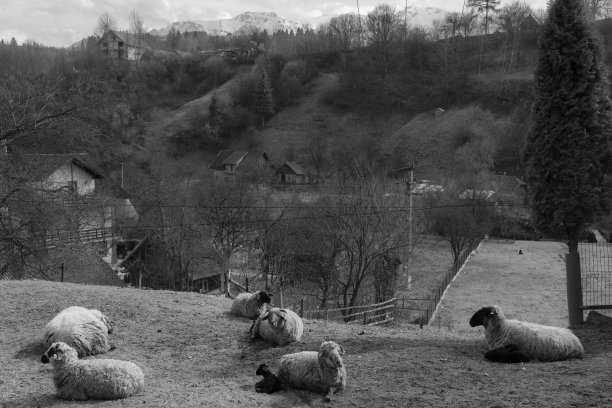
568,149
13,42
263,102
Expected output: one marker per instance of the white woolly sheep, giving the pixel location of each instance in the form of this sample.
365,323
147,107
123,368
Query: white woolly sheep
97,379
538,342
278,326
270,383
250,305
86,330
321,371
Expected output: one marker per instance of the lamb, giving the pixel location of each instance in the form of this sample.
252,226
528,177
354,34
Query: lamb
98,379
538,342
509,353
250,305
86,330
320,372
270,383
278,326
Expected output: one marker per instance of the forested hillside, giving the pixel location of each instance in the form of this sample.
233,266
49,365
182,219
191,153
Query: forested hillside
349,102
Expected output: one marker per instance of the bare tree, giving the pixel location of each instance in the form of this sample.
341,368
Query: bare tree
468,22
511,18
596,9
383,26
368,224
105,23
137,31
345,28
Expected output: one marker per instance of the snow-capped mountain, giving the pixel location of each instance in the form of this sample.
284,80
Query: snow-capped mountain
269,21
423,16
272,22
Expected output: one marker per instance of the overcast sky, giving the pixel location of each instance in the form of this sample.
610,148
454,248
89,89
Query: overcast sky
62,22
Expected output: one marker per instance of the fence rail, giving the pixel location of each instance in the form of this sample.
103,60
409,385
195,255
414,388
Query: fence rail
377,313
596,270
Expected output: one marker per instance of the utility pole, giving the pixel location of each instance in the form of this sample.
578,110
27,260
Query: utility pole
408,279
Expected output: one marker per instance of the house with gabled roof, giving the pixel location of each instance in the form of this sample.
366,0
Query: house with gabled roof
291,173
87,204
230,165
122,45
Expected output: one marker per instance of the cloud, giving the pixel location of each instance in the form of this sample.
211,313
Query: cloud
61,23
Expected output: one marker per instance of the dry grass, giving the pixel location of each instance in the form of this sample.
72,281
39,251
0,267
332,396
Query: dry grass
195,355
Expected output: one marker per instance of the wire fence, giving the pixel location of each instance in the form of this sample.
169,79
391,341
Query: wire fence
596,270
421,310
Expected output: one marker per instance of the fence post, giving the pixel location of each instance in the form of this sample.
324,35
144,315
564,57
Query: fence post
365,319
302,307
62,274
247,284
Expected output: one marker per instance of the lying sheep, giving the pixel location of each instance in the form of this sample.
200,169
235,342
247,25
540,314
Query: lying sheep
278,326
320,372
86,330
509,353
270,383
250,305
98,379
538,342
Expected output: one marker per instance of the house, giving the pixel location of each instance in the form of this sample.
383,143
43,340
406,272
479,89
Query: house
291,173
121,45
230,165
95,204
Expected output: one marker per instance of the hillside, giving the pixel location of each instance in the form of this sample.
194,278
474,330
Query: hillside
194,355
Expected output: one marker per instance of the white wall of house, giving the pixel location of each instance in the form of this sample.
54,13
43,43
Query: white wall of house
67,174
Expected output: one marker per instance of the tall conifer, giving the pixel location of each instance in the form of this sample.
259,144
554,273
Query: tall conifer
568,149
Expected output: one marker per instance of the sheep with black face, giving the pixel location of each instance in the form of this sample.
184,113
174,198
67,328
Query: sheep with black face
536,341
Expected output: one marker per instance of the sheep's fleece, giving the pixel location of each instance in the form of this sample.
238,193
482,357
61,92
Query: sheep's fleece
278,326
86,330
538,342
99,379
321,371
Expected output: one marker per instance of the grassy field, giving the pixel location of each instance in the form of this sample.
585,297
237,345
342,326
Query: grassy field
195,355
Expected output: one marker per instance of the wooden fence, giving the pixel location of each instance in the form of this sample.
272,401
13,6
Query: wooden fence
373,314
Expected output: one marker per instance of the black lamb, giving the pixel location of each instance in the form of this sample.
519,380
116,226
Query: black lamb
270,383
509,353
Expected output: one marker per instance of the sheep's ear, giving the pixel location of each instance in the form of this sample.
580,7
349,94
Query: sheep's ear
492,312
341,349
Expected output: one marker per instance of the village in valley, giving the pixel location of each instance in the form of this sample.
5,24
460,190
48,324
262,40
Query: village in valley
217,201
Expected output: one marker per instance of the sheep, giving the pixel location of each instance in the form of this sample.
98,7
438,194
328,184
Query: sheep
509,353
86,330
270,383
278,326
98,379
321,371
537,342
250,305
